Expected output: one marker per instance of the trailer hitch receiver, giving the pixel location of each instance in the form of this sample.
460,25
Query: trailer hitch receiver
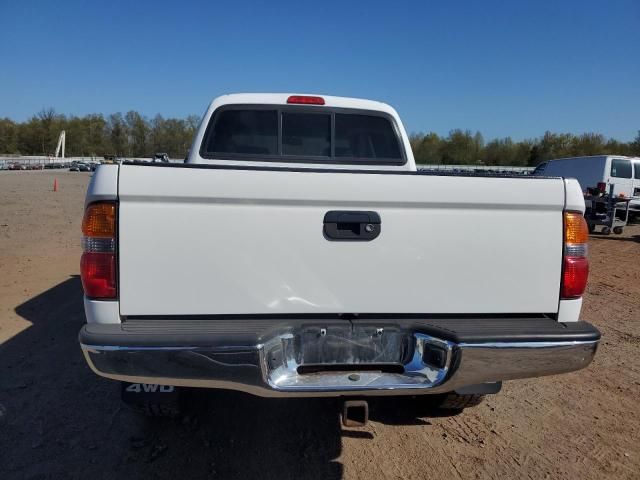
355,413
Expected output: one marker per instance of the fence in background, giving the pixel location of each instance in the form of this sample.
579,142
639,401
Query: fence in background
42,160
480,169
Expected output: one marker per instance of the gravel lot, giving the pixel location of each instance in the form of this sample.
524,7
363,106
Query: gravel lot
59,420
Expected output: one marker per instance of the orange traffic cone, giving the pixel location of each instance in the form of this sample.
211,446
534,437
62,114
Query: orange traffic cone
55,184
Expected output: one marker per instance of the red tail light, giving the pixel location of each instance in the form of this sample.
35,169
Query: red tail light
574,276
98,273
98,262
305,100
575,267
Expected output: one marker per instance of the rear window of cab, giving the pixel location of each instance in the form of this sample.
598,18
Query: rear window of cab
302,134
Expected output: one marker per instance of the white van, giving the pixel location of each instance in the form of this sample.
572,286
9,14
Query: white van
599,171
636,177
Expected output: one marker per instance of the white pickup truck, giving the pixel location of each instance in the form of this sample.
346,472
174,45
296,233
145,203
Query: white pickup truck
299,252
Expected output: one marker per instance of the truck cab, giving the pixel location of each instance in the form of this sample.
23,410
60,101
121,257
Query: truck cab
309,131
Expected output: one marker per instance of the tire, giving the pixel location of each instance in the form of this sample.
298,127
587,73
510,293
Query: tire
156,410
454,401
606,231
618,230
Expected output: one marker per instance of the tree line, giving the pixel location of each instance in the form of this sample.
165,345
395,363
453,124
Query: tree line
466,148
134,135
96,135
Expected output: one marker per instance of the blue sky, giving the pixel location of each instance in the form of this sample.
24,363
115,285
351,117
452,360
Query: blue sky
505,68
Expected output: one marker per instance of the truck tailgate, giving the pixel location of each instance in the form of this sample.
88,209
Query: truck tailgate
205,241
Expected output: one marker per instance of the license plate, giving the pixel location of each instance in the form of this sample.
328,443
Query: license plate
349,345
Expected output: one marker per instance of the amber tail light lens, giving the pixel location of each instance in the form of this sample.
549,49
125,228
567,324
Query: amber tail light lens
98,262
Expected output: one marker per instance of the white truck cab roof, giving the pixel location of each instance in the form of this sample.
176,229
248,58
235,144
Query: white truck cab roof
281,99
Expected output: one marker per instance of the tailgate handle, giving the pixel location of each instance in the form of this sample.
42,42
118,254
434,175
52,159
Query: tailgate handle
351,225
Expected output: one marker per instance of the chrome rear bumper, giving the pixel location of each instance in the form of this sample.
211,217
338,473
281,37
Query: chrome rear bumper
336,360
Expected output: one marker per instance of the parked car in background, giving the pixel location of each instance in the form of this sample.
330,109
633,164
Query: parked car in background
111,159
599,172
302,254
160,157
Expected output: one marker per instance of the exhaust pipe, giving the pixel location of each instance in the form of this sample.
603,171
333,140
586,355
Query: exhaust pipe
355,413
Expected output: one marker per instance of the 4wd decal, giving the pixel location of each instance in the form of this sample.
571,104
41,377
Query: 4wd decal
150,388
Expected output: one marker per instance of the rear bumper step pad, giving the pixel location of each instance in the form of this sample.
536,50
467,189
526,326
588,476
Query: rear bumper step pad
241,331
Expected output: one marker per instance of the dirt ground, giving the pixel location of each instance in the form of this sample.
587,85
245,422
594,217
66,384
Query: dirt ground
59,420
